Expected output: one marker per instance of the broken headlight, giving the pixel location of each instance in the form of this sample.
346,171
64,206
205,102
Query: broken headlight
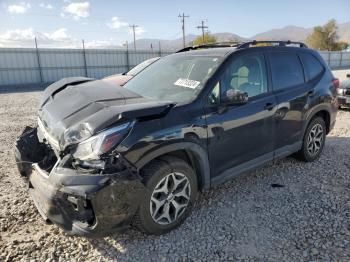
75,134
101,143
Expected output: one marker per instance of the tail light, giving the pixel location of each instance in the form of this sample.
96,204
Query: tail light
335,82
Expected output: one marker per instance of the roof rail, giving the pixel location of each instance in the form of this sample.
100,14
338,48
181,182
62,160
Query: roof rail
277,43
211,45
242,44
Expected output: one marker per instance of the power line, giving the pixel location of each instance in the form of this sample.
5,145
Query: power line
183,16
202,27
133,29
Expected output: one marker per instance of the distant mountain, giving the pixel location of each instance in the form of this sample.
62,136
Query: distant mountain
178,42
146,43
224,37
291,32
296,33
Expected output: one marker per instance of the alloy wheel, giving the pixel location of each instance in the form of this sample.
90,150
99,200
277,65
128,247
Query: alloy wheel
170,198
315,139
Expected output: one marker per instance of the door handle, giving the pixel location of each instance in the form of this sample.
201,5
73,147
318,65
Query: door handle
269,106
311,93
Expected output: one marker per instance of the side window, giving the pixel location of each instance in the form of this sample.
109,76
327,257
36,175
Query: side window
246,73
313,67
286,70
214,96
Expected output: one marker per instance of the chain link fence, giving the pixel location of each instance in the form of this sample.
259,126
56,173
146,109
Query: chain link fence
336,59
21,66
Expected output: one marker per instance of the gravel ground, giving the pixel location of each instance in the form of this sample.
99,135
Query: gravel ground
245,219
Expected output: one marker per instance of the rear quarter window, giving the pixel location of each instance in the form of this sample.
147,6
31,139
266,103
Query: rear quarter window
286,70
313,67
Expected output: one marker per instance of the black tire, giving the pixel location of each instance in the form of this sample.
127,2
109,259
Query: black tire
305,154
153,174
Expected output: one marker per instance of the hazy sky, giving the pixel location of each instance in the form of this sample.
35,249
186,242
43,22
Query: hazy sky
104,22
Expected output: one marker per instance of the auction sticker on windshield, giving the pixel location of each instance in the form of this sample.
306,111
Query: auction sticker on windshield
187,83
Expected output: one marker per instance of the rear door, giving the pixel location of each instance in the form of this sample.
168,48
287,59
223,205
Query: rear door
292,95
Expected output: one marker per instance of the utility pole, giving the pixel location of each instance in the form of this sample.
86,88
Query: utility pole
133,29
202,27
183,16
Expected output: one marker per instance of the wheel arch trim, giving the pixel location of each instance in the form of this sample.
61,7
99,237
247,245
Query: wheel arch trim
194,149
312,113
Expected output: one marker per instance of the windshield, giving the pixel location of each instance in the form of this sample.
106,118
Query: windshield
174,78
137,69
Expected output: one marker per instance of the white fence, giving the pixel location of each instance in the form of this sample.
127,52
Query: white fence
19,66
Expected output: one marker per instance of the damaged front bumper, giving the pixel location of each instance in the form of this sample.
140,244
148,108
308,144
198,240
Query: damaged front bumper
80,203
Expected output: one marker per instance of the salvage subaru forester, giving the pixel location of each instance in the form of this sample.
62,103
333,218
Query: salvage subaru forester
103,157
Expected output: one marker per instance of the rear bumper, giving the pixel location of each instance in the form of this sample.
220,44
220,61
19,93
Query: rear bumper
85,204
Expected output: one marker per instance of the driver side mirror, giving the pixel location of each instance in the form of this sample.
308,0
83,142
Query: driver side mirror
235,97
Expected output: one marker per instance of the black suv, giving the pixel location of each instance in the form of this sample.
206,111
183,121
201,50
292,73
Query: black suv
103,157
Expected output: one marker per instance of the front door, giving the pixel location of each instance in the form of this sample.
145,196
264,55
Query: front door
241,133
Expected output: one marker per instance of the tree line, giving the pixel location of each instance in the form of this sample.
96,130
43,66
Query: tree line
326,38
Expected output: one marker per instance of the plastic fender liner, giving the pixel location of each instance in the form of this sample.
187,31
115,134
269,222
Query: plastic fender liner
28,150
117,203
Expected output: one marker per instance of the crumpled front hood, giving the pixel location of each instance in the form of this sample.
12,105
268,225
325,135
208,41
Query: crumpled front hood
95,104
